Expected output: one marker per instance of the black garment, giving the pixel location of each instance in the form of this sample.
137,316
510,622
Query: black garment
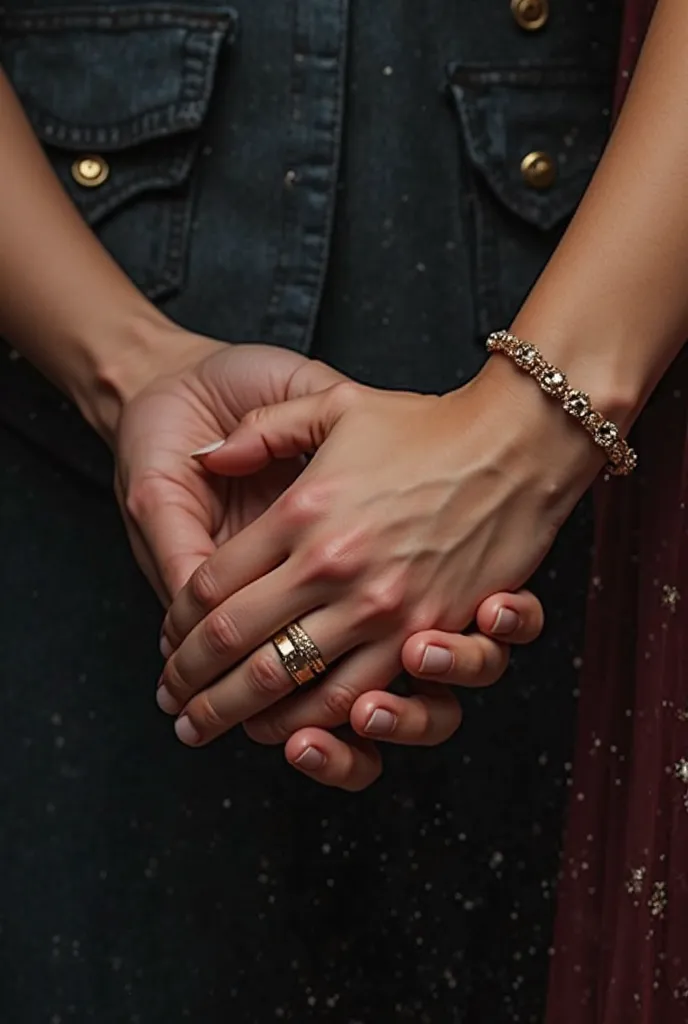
345,180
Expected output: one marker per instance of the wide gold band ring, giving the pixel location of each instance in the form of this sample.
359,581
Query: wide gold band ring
299,654
307,647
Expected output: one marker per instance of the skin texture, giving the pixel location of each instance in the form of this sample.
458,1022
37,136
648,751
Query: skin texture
155,392
612,305
431,715
365,544
176,514
364,548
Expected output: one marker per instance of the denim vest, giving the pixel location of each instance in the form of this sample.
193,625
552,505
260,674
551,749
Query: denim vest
378,183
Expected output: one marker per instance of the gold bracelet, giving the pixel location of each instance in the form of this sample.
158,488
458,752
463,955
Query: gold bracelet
622,458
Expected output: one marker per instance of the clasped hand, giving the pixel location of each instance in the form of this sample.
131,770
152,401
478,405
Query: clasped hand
411,512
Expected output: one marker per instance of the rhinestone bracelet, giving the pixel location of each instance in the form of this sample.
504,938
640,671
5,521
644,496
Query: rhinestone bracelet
622,458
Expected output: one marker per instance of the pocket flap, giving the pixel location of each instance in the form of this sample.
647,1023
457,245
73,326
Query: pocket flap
507,115
107,78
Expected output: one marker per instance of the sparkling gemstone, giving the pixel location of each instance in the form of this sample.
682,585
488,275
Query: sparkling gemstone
525,355
495,343
606,432
553,382
623,460
578,404
593,421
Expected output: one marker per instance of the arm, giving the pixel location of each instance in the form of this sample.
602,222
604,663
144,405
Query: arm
71,311
611,309
64,302
413,508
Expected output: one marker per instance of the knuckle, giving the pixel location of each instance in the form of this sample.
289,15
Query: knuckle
142,498
483,664
267,677
475,665
175,682
172,632
204,715
204,588
253,417
383,598
338,558
422,616
304,504
346,394
338,701
221,632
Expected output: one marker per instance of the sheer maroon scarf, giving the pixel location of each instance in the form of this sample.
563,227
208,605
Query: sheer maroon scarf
621,940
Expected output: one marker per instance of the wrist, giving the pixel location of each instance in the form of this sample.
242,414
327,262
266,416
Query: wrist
607,349
537,441
601,371
108,370
141,347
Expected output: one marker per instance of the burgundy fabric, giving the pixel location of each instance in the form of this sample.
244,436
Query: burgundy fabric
620,951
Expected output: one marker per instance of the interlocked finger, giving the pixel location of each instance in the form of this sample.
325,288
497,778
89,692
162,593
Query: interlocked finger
262,680
226,636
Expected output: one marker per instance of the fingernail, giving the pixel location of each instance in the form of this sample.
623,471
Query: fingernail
436,661
381,723
185,731
166,648
506,622
212,447
166,702
310,760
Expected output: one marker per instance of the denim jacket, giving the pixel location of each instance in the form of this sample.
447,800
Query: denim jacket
382,180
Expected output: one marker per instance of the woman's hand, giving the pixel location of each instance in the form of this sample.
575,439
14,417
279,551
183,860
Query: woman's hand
411,513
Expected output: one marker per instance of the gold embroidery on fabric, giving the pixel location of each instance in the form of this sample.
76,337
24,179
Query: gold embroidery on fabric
634,885
658,900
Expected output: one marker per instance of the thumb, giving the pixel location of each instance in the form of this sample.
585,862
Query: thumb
283,431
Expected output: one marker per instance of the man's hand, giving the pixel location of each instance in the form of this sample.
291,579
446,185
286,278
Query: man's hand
175,512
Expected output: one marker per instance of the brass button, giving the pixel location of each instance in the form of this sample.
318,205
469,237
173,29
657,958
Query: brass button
539,170
90,171
530,14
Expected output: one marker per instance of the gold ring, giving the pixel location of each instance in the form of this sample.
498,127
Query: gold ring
294,661
307,647
299,654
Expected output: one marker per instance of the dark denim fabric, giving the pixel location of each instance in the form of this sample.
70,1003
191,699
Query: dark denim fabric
343,179
231,156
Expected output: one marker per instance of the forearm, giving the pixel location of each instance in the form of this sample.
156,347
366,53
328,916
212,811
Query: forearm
611,309
64,303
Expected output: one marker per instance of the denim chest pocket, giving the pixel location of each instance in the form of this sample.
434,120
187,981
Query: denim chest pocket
118,97
530,140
